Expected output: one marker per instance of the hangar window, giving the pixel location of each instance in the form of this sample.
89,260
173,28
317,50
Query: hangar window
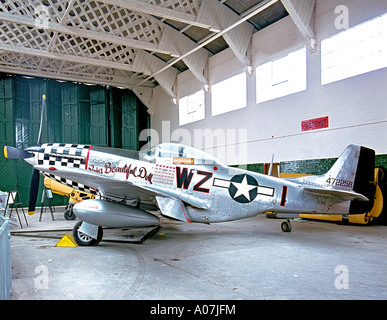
281,77
355,51
229,95
191,108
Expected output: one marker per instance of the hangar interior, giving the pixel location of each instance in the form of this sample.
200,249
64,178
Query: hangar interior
296,80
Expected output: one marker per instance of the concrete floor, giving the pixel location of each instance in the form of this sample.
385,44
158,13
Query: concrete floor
247,259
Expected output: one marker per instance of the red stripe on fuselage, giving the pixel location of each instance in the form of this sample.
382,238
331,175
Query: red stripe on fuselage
283,197
87,157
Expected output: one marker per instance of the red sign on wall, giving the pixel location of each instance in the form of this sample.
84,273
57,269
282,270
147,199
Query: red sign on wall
314,124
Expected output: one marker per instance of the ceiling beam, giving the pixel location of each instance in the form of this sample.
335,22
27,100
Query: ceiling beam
173,40
149,64
238,38
119,82
264,6
162,12
90,34
301,12
67,57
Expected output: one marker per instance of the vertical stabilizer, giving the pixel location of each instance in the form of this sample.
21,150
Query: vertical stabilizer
351,177
354,171
341,176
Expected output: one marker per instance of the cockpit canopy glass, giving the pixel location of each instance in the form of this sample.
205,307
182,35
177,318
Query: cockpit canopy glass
173,153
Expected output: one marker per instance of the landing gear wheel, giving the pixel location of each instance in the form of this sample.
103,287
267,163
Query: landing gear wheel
69,214
83,239
286,226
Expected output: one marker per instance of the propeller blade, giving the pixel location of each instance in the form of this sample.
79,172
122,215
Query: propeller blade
271,165
41,120
33,191
16,153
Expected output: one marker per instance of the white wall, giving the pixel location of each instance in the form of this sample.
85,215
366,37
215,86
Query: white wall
356,107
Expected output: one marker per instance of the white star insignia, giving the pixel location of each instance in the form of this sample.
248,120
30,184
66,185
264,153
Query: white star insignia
243,188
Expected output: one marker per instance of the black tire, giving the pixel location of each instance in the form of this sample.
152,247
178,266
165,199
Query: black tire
84,240
68,214
286,226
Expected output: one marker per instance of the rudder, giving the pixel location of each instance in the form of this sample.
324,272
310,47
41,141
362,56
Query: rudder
364,181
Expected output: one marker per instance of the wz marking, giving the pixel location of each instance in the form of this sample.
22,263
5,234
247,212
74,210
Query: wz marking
207,176
184,178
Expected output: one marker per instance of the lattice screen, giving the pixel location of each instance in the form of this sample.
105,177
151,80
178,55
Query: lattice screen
94,41
128,44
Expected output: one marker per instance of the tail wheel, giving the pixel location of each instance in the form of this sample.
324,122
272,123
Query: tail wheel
286,226
83,239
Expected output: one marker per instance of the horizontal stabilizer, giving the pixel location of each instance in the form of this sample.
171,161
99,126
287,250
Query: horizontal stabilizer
342,194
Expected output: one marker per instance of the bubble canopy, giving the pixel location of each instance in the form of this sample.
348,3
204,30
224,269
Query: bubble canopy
174,153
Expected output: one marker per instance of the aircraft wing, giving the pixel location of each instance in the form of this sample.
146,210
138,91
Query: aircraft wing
114,188
342,194
107,185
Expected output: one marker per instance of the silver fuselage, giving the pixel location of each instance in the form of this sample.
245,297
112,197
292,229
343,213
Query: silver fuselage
211,192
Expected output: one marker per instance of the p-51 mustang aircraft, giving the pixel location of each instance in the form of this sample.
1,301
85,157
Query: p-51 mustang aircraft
190,185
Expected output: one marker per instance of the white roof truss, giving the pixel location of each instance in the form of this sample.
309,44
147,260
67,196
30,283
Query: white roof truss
238,38
301,12
124,43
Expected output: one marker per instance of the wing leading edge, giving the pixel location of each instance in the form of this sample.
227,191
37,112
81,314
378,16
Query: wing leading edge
107,185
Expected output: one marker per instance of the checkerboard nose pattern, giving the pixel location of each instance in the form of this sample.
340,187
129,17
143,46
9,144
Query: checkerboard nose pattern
68,155
61,154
